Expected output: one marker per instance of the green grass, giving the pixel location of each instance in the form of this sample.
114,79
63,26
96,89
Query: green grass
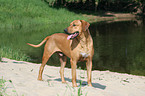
76,91
2,87
13,41
24,13
20,22
13,54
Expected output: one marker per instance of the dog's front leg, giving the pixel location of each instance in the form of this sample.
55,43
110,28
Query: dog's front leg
73,67
89,71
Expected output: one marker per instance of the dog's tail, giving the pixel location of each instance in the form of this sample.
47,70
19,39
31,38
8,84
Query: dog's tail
40,43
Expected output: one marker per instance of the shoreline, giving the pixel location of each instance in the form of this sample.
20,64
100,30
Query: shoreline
111,16
23,77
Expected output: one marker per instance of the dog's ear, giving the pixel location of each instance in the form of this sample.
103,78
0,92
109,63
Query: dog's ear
85,25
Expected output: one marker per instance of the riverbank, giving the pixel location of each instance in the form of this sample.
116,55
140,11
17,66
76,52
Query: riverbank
110,16
21,80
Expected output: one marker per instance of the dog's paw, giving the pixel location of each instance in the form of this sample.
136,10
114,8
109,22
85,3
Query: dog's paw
40,79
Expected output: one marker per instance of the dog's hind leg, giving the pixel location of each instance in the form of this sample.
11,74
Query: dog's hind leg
46,55
62,59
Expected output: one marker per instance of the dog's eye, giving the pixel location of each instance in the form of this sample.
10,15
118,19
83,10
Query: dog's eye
74,25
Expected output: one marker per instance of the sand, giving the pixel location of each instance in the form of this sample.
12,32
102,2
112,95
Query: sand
22,80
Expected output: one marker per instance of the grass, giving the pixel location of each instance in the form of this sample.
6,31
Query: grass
25,13
76,91
13,41
73,90
13,54
20,18
3,87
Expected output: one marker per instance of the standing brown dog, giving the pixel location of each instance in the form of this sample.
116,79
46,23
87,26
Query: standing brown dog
78,46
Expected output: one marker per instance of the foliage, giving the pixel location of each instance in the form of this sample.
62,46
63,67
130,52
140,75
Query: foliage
13,54
2,86
73,4
122,5
105,5
24,13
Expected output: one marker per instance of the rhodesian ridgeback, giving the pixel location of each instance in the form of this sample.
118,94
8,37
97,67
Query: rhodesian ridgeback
77,44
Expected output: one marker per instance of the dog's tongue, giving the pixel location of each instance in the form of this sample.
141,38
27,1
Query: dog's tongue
72,36
69,37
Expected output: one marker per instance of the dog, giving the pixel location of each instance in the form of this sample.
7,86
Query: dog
77,44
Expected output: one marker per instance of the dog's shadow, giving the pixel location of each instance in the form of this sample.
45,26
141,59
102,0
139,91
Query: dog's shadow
83,84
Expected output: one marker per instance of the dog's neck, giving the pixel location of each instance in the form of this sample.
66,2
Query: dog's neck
84,36
84,39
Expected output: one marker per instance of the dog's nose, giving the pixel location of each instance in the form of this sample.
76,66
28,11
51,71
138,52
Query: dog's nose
65,30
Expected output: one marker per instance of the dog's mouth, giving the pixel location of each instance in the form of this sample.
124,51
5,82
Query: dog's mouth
72,35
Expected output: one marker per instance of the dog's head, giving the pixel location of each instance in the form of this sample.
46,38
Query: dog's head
76,28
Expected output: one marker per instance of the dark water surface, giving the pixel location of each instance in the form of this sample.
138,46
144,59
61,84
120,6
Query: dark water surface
119,46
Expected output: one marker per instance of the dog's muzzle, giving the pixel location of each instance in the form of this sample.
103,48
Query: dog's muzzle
71,35
65,30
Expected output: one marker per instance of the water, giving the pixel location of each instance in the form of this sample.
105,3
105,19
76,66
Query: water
119,46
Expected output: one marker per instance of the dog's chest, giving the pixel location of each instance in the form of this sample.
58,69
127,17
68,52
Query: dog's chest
84,50
84,55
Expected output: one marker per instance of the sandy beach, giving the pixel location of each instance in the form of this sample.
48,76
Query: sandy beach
22,80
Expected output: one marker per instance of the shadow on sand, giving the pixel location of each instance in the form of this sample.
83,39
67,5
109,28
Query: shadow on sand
84,83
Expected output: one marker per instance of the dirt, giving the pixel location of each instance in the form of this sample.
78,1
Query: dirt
111,16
